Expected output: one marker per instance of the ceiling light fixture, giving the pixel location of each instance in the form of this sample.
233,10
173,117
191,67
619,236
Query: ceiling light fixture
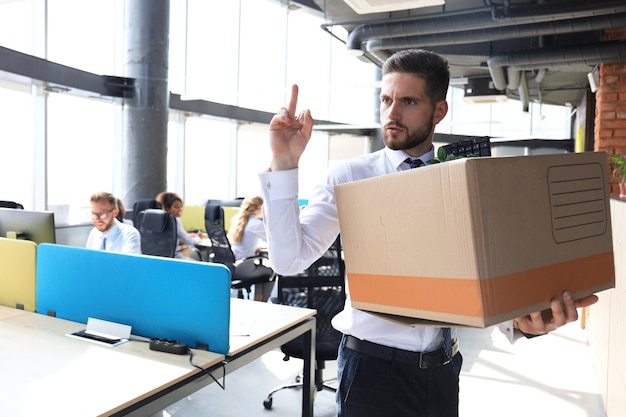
376,6
594,79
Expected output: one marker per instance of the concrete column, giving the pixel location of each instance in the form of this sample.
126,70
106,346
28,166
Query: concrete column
144,148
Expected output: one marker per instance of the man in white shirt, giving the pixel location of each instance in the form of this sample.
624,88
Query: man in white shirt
384,368
109,233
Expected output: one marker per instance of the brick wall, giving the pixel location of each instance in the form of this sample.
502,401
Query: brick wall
610,121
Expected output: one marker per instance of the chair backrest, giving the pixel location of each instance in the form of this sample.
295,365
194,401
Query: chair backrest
158,232
213,215
321,287
214,211
226,203
11,205
143,204
221,251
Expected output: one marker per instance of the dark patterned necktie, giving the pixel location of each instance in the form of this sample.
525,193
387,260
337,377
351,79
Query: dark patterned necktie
445,331
414,163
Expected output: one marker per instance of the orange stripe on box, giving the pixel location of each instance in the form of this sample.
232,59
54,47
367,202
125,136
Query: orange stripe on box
501,294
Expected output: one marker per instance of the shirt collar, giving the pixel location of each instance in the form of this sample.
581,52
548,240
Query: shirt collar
112,232
398,157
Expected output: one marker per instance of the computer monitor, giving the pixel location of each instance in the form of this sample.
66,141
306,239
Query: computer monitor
37,226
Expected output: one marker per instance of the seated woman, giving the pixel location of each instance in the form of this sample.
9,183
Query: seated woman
172,203
247,237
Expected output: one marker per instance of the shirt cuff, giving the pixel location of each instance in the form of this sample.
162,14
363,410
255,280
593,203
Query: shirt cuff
509,331
279,185
514,334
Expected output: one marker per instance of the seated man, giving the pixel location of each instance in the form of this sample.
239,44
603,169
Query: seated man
109,233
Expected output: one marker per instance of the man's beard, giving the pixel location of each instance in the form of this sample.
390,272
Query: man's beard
412,140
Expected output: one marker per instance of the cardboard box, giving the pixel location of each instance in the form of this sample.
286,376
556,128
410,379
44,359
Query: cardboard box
478,241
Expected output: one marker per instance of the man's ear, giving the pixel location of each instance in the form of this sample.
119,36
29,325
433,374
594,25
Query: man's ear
441,109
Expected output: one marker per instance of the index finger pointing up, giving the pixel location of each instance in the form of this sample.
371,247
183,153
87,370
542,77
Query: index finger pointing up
293,101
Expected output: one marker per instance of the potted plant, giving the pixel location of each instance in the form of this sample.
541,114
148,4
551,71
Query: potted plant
444,156
620,166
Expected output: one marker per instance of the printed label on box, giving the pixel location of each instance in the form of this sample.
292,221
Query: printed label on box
577,202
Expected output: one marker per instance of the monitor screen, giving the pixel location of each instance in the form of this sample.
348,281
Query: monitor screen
37,226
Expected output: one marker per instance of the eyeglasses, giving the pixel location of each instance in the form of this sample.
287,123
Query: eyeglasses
101,216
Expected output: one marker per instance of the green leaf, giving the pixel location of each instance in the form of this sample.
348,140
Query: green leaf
441,154
620,165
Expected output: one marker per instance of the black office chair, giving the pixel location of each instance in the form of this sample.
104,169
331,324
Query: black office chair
213,212
143,204
320,287
11,205
244,273
158,232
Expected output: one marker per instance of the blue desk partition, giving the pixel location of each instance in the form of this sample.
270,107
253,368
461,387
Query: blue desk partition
159,297
17,273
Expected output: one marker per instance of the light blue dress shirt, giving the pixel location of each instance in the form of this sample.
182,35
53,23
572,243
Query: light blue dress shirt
119,238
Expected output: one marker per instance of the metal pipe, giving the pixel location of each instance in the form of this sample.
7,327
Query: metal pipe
444,23
603,52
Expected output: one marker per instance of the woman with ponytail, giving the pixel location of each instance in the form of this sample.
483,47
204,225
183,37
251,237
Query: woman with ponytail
247,237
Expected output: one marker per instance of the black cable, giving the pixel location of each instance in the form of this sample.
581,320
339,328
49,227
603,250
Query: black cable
206,371
190,352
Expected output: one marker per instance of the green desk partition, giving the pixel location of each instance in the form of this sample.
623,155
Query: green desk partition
193,218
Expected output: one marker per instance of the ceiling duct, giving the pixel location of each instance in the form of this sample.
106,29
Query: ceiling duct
523,92
603,52
479,20
459,37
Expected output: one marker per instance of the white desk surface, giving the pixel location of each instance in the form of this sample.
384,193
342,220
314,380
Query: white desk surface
252,322
45,373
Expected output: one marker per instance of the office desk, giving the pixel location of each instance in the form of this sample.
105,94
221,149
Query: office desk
44,372
257,328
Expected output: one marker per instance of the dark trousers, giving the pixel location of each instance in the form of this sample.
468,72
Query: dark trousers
372,387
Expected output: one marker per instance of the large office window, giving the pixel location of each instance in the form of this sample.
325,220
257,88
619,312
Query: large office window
505,121
16,29
262,54
208,166
253,156
84,34
80,152
17,166
245,53
207,57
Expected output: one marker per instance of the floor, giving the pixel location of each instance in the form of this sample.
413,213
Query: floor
545,376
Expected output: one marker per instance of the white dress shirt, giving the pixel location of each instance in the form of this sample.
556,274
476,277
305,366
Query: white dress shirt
296,239
119,238
253,238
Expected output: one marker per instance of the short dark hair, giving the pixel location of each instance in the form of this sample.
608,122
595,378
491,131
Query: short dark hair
104,196
430,66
